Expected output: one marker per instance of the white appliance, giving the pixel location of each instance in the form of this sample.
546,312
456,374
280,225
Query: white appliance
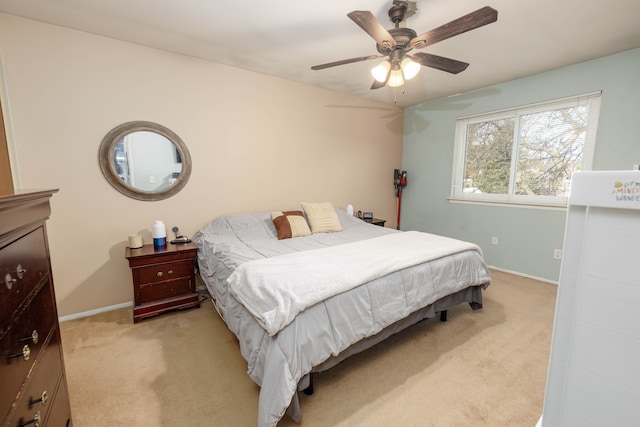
594,367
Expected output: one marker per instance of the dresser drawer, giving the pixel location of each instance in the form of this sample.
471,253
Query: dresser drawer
40,393
167,289
163,272
22,343
56,414
60,411
23,264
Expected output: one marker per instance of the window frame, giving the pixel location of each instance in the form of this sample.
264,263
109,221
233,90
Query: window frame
592,100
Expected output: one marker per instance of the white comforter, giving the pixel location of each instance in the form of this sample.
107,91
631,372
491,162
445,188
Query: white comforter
276,289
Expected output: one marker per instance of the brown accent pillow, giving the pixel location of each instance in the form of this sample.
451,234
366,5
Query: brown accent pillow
322,217
290,224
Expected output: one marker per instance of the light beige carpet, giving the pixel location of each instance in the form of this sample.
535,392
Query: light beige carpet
482,368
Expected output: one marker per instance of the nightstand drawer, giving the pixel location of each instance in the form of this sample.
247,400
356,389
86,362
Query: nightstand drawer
167,289
163,272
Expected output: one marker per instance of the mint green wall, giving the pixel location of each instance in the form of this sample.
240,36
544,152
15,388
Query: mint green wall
526,236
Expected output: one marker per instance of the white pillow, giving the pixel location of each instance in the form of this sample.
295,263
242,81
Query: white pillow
322,217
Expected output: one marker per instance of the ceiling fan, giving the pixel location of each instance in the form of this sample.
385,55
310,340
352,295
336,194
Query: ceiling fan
397,42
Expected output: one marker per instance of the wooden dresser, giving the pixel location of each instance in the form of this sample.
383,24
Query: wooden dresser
33,388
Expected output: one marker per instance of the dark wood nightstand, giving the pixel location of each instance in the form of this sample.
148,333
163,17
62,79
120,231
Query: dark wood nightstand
376,221
163,278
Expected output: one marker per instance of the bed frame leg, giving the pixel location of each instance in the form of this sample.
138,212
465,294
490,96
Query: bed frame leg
309,390
443,316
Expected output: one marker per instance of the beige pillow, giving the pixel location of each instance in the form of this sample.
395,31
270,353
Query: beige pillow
290,224
322,217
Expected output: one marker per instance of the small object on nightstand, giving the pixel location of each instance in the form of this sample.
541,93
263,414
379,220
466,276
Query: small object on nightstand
179,239
349,209
135,241
367,215
163,279
159,233
376,221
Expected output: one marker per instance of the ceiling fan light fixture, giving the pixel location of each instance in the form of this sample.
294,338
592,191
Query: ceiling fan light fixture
395,78
380,71
409,68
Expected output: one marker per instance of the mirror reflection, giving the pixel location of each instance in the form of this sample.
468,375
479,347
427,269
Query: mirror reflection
147,161
144,160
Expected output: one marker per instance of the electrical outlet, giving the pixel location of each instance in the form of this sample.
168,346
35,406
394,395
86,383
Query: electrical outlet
557,254
494,241
636,167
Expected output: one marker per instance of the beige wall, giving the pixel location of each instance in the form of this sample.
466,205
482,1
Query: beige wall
258,143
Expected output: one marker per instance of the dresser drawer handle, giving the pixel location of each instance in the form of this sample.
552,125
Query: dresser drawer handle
35,421
42,399
26,353
170,272
159,273
34,337
9,281
20,271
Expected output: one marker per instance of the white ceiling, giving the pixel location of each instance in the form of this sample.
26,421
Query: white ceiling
285,38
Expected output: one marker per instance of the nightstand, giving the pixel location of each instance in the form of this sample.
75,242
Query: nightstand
163,278
376,221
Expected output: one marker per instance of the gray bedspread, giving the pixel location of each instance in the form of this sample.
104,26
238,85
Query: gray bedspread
328,329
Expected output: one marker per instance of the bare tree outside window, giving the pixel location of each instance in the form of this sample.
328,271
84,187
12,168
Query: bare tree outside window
525,155
489,148
551,145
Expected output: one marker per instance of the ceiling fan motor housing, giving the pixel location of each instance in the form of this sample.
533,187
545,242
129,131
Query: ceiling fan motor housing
402,36
398,12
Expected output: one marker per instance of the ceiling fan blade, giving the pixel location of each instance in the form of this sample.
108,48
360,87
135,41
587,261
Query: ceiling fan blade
345,61
372,26
465,23
377,85
439,62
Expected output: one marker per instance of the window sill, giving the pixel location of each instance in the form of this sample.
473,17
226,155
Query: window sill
510,204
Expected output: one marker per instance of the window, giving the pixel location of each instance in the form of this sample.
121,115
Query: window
525,155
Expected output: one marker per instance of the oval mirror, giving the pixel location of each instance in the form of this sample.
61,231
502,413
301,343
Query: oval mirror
144,160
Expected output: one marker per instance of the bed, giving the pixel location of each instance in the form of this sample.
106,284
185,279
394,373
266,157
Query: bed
285,338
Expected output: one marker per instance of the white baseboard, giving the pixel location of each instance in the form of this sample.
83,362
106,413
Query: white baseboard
528,276
96,311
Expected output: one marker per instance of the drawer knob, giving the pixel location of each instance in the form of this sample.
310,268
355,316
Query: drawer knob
9,281
42,399
170,272
35,421
20,271
34,337
159,273
25,354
